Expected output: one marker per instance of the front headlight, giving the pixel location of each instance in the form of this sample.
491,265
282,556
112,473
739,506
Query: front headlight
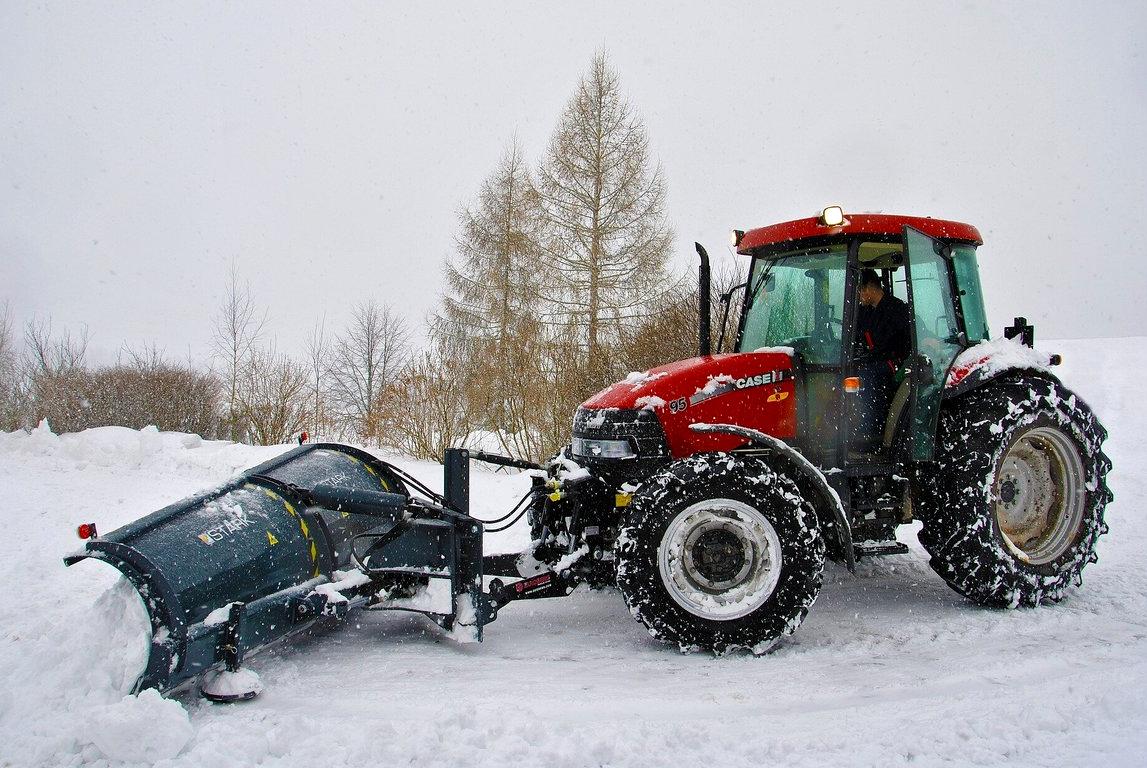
602,449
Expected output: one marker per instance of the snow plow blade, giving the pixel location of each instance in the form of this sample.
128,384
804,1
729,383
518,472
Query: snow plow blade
315,532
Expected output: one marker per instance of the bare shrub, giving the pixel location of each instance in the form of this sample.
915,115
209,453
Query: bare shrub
272,397
144,390
155,391
56,382
430,412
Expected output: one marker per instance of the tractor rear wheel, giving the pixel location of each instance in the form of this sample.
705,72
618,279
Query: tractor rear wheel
1014,506
720,552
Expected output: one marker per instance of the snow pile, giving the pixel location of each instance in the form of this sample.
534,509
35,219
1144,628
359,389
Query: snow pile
80,662
139,729
341,580
120,447
227,686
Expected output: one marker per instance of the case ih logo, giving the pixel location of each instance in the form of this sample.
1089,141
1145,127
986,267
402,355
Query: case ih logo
722,385
761,379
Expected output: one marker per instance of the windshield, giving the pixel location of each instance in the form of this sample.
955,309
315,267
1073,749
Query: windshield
796,300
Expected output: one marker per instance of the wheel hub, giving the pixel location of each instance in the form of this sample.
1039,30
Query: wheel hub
720,559
718,556
1040,495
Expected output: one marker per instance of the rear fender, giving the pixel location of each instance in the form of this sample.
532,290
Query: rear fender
988,360
811,482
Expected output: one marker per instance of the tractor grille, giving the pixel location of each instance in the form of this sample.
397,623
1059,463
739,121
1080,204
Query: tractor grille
640,427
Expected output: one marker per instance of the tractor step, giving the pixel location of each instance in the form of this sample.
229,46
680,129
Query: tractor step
874,548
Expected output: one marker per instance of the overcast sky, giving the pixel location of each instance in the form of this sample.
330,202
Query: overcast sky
326,148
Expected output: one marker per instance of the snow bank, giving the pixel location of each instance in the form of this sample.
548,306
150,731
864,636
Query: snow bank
120,447
890,667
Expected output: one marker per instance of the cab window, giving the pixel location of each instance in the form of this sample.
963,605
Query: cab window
971,296
796,299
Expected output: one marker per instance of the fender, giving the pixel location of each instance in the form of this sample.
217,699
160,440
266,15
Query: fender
980,363
809,478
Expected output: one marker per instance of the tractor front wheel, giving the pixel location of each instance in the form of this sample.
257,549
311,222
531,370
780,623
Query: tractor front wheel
1014,505
720,552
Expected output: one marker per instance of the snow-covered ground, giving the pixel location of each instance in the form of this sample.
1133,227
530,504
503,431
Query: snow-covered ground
890,668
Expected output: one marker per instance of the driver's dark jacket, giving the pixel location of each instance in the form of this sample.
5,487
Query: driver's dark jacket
884,330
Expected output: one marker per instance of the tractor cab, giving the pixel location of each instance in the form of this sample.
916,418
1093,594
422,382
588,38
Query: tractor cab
802,294
859,412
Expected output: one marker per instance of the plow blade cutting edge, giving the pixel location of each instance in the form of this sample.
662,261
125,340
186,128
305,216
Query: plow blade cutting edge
315,532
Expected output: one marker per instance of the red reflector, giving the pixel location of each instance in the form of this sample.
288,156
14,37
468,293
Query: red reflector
86,531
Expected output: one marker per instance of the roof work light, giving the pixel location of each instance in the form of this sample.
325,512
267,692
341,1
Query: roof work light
832,216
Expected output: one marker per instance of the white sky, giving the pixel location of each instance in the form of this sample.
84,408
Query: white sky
326,148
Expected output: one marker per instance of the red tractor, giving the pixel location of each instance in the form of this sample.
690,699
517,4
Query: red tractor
712,489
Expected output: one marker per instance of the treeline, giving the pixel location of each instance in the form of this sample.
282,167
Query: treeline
559,286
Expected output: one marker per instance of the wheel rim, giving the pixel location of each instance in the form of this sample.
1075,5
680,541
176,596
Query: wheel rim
720,559
1039,495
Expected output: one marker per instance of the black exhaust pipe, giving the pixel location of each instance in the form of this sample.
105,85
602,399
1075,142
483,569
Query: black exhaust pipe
704,302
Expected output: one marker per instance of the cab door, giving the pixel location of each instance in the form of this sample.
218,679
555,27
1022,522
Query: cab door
936,336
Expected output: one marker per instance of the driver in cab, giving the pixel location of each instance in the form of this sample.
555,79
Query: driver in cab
882,322
883,336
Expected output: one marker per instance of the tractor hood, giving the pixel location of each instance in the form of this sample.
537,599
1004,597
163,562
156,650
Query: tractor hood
753,389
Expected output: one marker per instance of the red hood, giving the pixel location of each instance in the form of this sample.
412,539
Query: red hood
752,389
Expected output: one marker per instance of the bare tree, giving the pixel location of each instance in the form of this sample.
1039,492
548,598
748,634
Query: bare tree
272,397
488,314
10,389
236,333
51,354
602,205
318,362
495,277
365,360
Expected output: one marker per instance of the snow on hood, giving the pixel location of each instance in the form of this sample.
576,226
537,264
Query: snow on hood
637,380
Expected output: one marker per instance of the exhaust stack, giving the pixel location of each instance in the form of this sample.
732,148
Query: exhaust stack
704,301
